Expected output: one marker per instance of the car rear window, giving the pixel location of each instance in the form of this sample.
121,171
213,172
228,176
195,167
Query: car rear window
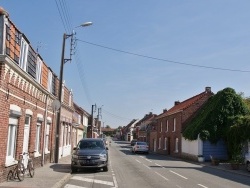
141,143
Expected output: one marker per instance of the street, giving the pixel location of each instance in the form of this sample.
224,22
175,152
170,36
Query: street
139,170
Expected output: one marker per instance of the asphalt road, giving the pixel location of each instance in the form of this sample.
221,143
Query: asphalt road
128,170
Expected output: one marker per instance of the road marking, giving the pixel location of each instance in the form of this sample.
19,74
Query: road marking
73,186
202,185
93,180
138,161
148,160
146,166
162,176
178,174
158,165
114,178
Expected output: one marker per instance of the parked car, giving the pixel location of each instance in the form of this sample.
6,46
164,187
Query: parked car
247,161
140,147
90,153
133,142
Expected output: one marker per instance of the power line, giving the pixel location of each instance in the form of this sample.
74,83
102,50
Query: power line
165,60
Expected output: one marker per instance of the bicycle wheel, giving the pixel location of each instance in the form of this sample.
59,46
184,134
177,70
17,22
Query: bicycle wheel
10,176
31,169
20,172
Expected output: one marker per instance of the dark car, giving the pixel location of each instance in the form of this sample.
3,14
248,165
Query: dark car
90,153
132,143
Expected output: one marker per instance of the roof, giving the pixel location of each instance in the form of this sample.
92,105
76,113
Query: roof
183,105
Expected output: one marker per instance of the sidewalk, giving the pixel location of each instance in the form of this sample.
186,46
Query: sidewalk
51,175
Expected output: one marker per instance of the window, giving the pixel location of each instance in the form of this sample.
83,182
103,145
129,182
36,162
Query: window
176,145
11,142
68,135
161,127
50,82
38,135
174,125
39,70
165,143
31,62
47,138
159,143
70,98
53,84
167,126
23,55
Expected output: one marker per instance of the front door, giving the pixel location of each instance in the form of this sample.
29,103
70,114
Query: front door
26,140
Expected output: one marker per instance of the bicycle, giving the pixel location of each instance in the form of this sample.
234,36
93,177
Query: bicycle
17,172
30,166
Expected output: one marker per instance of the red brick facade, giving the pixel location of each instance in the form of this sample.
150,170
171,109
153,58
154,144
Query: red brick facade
27,118
170,123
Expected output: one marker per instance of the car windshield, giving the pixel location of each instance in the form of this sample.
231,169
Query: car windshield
141,143
91,145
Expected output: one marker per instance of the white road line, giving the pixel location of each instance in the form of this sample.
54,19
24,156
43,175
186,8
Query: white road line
146,166
138,161
115,182
93,180
73,186
158,165
202,185
178,186
162,176
148,160
178,174
114,178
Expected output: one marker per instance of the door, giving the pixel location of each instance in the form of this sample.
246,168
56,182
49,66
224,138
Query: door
26,140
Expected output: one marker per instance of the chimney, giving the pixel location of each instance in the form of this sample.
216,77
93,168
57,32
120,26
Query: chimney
165,110
208,89
176,103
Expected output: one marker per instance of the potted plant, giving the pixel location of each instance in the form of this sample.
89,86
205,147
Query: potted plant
215,161
235,161
201,158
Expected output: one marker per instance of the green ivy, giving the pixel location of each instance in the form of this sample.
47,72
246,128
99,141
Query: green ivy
213,120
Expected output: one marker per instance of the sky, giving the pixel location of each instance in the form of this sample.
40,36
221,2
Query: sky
140,56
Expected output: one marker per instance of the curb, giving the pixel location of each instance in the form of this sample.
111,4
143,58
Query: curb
62,181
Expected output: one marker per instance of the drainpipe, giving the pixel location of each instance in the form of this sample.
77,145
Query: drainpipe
45,129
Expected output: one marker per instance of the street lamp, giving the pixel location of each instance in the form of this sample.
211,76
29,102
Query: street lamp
63,60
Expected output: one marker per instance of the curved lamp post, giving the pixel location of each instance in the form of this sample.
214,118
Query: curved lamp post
63,60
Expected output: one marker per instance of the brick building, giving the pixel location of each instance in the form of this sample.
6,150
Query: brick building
170,123
28,89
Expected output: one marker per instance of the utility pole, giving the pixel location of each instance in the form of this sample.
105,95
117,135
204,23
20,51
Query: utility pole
92,119
63,60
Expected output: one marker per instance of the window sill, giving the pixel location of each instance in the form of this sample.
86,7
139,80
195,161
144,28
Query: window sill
37,154
10,163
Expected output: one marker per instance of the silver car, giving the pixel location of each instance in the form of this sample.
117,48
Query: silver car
90,153
140,147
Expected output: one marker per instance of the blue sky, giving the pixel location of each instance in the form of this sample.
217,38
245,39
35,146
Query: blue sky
139,54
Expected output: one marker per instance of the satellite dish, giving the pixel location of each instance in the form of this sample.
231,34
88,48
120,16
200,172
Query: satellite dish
55,105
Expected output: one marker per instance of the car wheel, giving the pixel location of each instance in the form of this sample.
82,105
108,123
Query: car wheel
73,169
248,166
105,169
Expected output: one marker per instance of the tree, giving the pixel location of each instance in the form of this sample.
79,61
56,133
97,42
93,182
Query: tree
107,126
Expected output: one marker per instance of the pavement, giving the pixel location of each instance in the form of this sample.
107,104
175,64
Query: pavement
54,175
51,175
